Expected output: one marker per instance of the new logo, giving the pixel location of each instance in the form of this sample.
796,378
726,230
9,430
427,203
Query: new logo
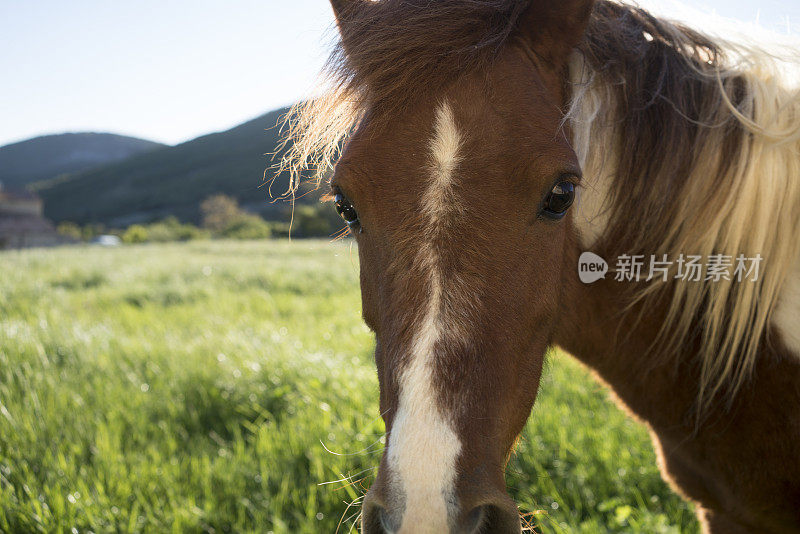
591,267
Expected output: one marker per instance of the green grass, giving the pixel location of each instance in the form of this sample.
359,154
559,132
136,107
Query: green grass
191,387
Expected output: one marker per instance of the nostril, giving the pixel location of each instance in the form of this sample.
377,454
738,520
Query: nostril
488,518
474,520
386,521
370,520
377,520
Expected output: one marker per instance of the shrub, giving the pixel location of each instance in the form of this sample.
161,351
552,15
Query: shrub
247,226
90,231
279,229
171,229
218,212
69,229
135,233
319,220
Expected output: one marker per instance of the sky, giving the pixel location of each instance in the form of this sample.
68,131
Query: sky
170,70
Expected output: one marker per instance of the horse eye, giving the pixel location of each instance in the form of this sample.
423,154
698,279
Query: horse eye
345,209
559,200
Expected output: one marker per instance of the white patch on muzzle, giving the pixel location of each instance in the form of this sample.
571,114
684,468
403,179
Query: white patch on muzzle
423,446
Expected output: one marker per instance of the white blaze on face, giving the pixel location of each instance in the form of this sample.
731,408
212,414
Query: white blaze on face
423,445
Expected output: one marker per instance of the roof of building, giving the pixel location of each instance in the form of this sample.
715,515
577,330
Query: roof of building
17,224
17,194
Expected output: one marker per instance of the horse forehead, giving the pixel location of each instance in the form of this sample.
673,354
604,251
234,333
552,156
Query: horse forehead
392,165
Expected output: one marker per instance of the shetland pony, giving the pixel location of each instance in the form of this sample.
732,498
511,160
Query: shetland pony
487,145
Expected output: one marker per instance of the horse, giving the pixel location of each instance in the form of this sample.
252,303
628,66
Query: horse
479,149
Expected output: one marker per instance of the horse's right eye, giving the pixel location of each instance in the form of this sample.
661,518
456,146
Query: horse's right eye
345,209
559,200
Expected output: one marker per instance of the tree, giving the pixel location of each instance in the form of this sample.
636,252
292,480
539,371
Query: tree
247,226
218,212
136,233
70,230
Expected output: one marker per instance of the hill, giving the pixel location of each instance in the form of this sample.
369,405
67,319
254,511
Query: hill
46,157
172,180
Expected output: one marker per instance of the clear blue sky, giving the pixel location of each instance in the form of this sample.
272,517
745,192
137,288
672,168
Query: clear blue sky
170,70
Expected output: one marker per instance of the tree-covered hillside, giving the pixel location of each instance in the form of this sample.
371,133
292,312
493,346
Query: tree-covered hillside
174,180
48,156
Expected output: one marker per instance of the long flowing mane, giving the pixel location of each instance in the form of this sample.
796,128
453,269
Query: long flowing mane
694,146
689,145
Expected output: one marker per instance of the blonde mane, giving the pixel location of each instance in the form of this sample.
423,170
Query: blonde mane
705,163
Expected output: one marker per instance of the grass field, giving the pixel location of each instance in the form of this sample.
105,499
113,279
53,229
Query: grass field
229,387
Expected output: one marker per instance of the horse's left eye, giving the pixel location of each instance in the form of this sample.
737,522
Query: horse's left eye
345,209
559,200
